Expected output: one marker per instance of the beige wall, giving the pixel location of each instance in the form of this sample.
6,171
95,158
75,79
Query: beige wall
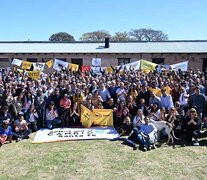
195,60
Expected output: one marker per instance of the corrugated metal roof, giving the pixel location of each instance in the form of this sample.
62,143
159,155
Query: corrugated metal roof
98,47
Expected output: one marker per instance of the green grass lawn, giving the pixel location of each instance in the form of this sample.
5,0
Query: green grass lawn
100,159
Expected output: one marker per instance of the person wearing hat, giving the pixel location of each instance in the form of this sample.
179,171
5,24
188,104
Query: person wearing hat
5,132
21,130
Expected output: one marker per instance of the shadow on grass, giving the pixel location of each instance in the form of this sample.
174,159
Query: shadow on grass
162,142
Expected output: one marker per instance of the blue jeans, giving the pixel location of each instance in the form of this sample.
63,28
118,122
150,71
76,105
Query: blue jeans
133,139
144,141
50,123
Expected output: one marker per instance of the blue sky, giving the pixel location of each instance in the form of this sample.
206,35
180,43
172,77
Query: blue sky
21,20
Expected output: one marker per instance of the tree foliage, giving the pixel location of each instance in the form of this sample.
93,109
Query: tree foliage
121,36
95,36
61,36
144,34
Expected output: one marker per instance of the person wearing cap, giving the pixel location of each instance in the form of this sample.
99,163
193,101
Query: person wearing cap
5,132
21,130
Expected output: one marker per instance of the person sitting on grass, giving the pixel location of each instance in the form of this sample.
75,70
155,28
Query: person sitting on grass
5,132
126,128
147,135
21,130
192,126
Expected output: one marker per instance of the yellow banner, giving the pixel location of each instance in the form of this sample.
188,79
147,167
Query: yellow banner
86,116
49,63
157,91
33,74
26,65
73,67
109,69
103,117
147,65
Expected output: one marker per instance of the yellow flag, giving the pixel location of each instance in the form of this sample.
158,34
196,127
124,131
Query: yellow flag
26,65
34,74
103,117
147,65
19,70
73,67
49,63
86,116
157,91
109,69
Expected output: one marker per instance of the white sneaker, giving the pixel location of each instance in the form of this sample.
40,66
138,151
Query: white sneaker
196,144
19,139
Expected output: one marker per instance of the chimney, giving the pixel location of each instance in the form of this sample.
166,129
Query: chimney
106,42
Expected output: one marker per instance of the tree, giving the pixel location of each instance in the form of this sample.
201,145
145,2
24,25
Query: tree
95,36
61,36
148,35
121,36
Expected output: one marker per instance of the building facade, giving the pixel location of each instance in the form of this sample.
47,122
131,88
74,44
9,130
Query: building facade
113,54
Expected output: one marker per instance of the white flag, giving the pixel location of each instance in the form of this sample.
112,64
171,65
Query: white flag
96,61
60,65
17,62
183,66
134,65
39,66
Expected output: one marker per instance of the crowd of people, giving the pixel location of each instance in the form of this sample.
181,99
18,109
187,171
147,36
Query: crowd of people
136,97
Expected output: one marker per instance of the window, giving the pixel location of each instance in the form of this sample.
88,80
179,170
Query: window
122,61
46,59
77,61
32,59
158,60
4,59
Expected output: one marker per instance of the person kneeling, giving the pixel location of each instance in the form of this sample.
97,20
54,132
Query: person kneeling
21,130
147,135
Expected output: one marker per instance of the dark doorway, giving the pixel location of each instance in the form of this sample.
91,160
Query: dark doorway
158,60
77,61
205,65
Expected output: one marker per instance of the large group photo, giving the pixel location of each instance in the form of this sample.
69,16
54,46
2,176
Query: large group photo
142,100
103,89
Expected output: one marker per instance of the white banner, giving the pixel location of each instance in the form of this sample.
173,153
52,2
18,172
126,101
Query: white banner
98,70
96,61
59,65
183,66
134,65
39,66
68,134
163,67
17,62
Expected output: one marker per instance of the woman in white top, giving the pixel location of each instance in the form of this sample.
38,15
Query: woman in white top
52,116
138,119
